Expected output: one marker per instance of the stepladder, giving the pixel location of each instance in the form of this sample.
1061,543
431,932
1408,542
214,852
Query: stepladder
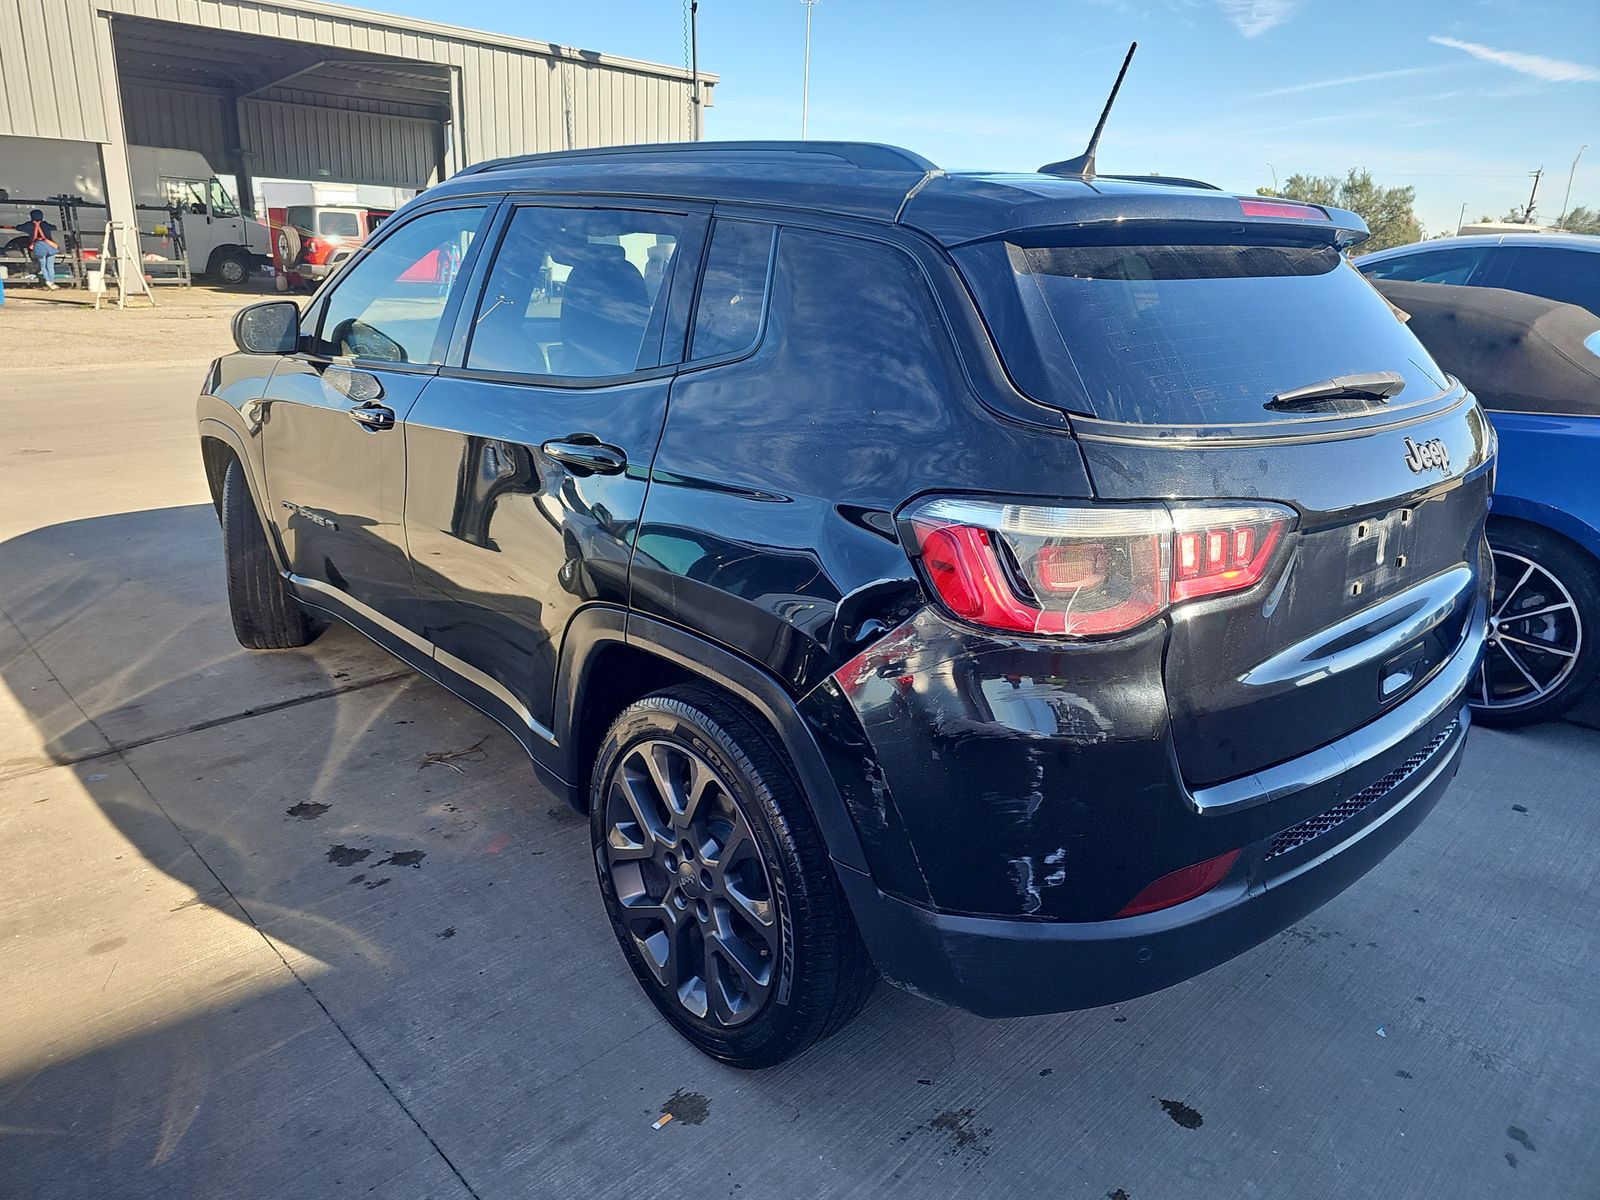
119,264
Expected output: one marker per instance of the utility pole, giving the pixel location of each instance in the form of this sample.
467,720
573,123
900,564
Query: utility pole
1462,219
805,87
1527,213
1274,171
694,67
1565,199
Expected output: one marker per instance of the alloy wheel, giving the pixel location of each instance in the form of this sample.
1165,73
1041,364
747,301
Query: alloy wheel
1535,636
692,888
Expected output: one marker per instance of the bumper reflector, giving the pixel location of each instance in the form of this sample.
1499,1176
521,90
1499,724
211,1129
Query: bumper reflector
1183,884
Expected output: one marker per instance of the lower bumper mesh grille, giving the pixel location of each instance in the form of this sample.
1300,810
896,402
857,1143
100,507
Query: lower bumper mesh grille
1324,822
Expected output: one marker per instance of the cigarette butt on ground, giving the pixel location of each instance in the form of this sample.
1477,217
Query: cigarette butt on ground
665,1117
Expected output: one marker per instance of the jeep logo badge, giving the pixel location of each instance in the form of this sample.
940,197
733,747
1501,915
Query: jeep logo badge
1431,453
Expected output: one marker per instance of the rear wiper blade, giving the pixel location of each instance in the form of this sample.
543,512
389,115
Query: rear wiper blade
1376,386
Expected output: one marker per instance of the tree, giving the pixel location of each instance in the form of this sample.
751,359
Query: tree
1387,211
1581,220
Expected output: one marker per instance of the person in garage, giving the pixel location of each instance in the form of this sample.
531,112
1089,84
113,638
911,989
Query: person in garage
42,245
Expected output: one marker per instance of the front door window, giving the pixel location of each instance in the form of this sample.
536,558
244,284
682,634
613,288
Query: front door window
576,293
390,304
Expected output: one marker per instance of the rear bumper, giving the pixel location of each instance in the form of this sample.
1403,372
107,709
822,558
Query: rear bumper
997,967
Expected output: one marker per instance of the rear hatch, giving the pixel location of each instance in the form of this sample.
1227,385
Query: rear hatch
1217,360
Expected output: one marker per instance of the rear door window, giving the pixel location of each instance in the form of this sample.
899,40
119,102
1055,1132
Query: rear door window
727,319
1570,276
1455,265
577,293
1184,334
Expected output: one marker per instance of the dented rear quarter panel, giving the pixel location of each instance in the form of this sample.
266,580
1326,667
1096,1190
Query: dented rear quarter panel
1033,780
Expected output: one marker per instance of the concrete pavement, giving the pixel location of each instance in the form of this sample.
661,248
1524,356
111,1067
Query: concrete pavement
298,924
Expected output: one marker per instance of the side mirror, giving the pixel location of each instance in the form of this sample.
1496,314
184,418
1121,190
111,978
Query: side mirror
269,328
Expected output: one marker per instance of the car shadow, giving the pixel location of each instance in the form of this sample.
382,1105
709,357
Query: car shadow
430,900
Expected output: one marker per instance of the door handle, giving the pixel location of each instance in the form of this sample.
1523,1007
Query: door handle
587,457
373,416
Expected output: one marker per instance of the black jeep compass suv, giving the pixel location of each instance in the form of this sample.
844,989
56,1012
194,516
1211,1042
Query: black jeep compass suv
1035,588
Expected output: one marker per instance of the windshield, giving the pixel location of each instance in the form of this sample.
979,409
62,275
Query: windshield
1184,334
222,204
186,194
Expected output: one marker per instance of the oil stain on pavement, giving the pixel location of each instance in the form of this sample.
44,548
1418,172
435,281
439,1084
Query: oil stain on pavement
687,1108
1183,1114
960,1130
307,810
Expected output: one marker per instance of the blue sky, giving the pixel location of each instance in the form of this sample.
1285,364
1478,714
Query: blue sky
1461,99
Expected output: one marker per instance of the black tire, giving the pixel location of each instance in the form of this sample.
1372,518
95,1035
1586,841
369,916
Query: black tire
265,615
817,971
230,268
1537,666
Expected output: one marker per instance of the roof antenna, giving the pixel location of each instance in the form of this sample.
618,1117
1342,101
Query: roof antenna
1083,165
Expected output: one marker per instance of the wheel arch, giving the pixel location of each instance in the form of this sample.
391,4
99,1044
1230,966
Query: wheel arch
611,658
1547,522
220,445
229,250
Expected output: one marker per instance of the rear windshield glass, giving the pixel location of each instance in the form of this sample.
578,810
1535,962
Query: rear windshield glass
1189,334
338,224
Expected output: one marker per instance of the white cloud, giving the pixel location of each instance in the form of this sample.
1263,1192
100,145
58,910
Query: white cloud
1373,77
1254,17
1551,70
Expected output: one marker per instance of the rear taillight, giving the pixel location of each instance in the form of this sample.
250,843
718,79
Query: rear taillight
1086,570
1212,556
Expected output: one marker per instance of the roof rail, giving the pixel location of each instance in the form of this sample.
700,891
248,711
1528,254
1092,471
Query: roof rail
1169,180
867,156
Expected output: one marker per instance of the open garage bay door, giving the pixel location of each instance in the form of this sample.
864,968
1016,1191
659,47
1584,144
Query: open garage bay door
260,107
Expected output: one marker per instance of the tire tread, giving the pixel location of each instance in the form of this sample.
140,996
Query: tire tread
265,614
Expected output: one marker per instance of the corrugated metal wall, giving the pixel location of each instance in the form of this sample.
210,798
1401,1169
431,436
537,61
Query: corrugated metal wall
49,75
516,96
291,141
186,120
286,139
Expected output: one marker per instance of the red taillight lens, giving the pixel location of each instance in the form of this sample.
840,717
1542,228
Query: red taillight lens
1282,208
948,556
1183,884
1086,570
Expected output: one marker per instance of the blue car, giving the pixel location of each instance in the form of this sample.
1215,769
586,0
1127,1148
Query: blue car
1535,366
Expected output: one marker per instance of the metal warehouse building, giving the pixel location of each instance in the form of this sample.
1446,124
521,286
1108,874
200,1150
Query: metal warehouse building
297,89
